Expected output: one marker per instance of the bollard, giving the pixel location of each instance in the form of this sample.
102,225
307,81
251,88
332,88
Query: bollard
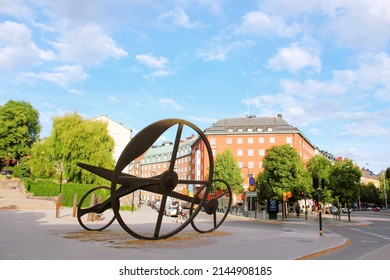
91,203
320,216
74,205
58,205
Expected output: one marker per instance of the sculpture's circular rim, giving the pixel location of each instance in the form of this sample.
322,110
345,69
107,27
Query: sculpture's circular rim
124,160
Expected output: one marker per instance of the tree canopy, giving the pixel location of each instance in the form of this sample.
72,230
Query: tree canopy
19,129
226,168
344,181
319,167
73,140
283,172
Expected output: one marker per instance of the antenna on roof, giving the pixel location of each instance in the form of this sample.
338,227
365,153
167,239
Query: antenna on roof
247,104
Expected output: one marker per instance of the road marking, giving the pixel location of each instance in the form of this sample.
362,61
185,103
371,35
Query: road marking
384,237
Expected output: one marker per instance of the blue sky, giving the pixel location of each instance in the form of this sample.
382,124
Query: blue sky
323,65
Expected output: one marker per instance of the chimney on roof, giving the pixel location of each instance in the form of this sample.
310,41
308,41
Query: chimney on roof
280,116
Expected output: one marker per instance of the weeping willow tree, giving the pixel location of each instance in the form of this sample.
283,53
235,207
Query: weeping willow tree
73,140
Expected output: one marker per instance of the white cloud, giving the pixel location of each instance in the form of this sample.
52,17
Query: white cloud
16,8
160,74
218,53
87,45
347,23
221,51
113,99
170,104
372,73
261,23
157,64
75,92
62,75
293,59
152,61
17,49
214,6
363,23
180,18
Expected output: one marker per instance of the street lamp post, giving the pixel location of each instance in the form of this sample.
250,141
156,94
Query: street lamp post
60,169
384,188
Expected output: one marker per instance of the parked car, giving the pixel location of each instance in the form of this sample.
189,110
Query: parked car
172,210
346,210
7,172
376,209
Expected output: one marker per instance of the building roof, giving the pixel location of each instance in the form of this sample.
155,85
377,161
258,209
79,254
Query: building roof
107,118
166,149
251,124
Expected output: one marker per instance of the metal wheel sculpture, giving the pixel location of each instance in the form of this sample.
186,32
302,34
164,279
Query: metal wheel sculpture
164,185
90,217
217,208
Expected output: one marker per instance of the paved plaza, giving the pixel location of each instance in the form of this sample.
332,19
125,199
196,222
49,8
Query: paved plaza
29,230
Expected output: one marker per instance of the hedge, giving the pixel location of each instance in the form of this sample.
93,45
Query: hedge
51,188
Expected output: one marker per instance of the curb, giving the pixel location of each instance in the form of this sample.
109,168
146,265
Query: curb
324,252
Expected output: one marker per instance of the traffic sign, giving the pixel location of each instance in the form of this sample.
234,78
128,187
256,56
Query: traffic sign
251,194
252,181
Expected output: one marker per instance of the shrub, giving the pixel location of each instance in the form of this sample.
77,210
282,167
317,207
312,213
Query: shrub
51,188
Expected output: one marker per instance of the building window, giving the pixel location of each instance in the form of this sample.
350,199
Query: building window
239,153
212,141
288,140
261,140
250,153
272,140
250,140
239,140
240,164
229,141
230,130
261,152
270,129
240,130
261,164
251,164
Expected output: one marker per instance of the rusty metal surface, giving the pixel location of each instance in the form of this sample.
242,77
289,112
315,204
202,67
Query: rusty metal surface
164,184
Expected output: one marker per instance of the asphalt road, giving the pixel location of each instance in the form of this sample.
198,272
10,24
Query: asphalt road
367,242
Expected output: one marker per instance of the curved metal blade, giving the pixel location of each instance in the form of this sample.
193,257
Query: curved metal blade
143,140
105,173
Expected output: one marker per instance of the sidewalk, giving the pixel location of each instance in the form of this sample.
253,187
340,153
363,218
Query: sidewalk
37,234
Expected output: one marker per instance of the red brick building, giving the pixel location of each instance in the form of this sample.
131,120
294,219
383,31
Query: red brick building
249,138
157,159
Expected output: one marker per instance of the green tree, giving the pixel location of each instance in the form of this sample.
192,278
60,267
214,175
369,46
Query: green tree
73,140
226,168
344,181
319,167
369,194
19,129
42,159
384,183
283,172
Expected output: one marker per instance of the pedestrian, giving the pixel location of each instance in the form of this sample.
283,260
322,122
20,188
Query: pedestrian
297,210
179,213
